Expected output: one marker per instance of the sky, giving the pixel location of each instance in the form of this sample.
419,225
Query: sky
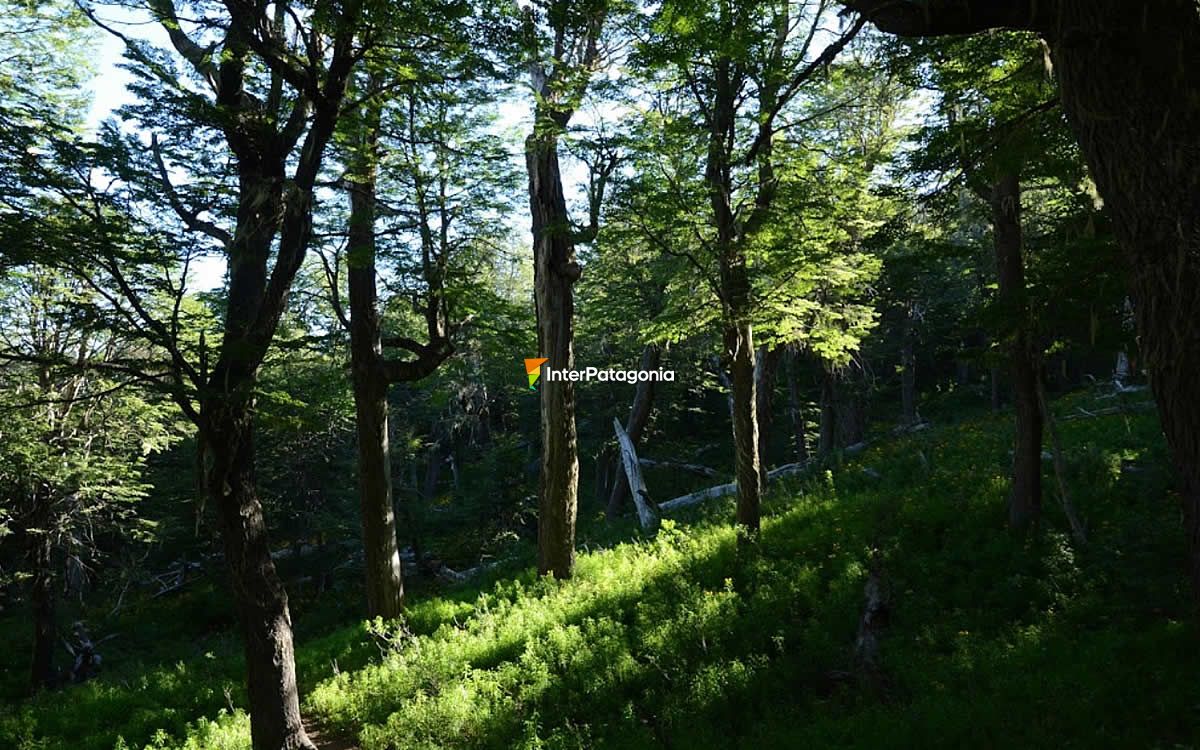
110,91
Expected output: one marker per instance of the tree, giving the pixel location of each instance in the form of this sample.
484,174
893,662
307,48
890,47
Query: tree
51,38
1137,126
999,130
563,49
732,70
73,443
263,87
440,199
625,292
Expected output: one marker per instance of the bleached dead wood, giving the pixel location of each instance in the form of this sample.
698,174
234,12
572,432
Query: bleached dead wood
699,496
648,513
706,471
1109,411
1077,528
721,490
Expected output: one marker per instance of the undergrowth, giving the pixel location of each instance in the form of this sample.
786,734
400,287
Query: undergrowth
682,640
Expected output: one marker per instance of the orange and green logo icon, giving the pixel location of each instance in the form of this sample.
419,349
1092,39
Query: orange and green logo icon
533,369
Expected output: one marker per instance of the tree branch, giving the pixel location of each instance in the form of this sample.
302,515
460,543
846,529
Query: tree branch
950,17
199,57
190,218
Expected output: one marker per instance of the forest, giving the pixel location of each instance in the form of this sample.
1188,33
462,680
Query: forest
565,374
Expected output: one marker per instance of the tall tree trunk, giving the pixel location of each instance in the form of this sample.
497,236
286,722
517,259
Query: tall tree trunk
555,274
227,430
384,576
433,473
739,349
766,368
1025,500
226,433
41,595
265,251
639,414
796,405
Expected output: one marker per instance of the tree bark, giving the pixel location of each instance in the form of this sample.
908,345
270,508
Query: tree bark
851,413
555,274
433,472
265,251
796,404
827,429
766,368
739,349
639,415
1130,86
41,596
1025,499
1129,79
384,576
260,599
735,287
647,511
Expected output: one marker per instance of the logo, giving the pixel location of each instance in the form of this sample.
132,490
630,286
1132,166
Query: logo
533,369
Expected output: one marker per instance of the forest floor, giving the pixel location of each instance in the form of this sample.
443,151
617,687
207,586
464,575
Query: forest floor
991,639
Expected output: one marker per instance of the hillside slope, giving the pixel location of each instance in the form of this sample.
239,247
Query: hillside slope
990,640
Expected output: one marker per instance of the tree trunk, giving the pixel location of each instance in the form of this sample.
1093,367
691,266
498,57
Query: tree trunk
908,373
796,404
227,429
384,577
827,429
851,409
433,473
647,511
997,394
226,432
739,349
555,273
41,596
639,414
765,370
1138,124
1025,500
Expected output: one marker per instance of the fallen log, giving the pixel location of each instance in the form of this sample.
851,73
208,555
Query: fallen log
705,471
1078,530
1109,411
648,513
695,498
721,490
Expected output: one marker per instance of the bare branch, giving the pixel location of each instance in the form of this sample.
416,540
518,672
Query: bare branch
190,218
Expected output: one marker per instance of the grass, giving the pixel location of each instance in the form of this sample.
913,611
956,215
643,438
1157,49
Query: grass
993,640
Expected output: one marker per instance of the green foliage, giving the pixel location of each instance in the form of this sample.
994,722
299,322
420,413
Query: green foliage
74,439
675,637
